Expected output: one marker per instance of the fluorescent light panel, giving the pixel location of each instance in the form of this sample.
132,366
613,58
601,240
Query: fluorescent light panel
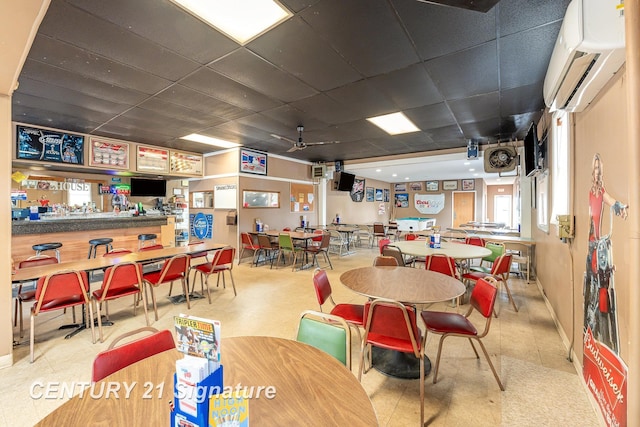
242,20
210,141
394,123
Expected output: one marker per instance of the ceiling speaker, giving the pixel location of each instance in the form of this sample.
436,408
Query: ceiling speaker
500,159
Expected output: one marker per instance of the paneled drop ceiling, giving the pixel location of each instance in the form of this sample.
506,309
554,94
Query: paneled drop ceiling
148,72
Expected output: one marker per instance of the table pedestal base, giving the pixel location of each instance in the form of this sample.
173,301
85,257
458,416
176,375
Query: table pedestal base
397,364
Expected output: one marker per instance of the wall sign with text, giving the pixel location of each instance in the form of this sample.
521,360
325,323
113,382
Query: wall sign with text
49,146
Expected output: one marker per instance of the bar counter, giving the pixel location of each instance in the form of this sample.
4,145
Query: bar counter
75,231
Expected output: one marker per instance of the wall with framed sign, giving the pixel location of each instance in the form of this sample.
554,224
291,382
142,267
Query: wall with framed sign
302,197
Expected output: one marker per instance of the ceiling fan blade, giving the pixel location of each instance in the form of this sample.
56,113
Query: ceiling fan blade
292,149
322,142
283,138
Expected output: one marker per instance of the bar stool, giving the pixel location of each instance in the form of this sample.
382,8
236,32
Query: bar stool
41,247
94,243
144,238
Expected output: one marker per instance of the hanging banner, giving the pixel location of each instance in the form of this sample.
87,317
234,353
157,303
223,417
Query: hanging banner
429,203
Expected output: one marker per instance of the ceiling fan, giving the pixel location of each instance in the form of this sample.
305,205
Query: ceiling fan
300,144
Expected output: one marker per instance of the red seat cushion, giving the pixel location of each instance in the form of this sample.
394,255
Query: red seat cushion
154,276
352,313
476,275
390,343
446,323
117,292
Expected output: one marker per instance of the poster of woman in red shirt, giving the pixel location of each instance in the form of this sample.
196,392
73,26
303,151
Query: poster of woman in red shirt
599,293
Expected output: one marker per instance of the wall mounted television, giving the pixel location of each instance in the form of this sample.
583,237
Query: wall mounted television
49,146
142,187
533,163
343,181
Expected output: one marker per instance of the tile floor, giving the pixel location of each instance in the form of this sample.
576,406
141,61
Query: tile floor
542,387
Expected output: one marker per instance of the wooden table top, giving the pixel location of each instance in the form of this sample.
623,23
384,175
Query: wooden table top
405,284
34,273
312,388
452,249
495,237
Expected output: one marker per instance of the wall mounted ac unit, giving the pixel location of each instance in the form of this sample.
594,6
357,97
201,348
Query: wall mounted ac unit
588,52
318,171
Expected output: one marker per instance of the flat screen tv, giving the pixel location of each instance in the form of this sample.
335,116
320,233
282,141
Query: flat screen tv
344,181
148,187
49,146
531,152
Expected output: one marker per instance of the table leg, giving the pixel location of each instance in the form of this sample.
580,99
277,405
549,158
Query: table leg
397,364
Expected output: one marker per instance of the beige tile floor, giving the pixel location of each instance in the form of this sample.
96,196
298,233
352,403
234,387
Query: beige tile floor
542,387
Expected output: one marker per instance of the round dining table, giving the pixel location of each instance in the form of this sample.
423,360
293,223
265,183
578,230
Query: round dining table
308,387
407,285
459,251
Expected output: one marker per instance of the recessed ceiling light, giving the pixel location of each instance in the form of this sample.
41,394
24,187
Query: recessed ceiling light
394,123
406,178
466,163
394,175
475,174
378,170
210,141
471,170
242,20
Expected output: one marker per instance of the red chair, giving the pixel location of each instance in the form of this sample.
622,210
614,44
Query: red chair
222,261
29,296
117,252
500,271
316,240
474,240
450,324
115,358
119,281
248,245
175,268
410,236
382,243
392,325
58,291
442,264
352,313
286,229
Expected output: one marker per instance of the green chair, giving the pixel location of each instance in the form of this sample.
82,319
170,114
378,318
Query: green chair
286,246
497,249
326,332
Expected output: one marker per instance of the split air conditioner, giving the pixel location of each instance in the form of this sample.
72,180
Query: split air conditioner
588,52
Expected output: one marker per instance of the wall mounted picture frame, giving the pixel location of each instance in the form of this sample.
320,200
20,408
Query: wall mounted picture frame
357,191
253,162
400,187
433,185
402,200
468,184
378,194
385,193
415,186
369,194
450,184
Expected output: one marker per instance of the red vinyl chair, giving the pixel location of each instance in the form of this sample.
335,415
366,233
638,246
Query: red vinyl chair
58,291
500,271
352,313
115,358
222,261
448,324
474,240
248,245
29,296
442,264
175,268
119,281
410,236
392,325
382,243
